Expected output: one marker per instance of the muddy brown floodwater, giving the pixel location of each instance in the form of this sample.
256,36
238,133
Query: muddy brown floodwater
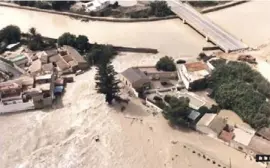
66,137
170,37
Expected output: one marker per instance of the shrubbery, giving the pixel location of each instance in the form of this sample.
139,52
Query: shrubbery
10,34
206,3
239,88
166,64
177,110
98,53
81,42
56,5
160,9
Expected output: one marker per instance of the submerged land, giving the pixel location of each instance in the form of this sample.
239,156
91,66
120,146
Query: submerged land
86,132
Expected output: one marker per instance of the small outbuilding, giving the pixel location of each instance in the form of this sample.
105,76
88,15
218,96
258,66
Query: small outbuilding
203,124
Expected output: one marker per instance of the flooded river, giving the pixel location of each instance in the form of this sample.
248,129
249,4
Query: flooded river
170,37
67,137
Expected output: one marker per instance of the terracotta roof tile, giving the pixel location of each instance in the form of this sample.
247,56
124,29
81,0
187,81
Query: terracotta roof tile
196,66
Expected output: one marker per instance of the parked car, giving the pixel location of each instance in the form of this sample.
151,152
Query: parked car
180,61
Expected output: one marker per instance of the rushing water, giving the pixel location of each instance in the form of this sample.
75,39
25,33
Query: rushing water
170,37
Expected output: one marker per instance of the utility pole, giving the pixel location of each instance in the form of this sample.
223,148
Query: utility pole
230,163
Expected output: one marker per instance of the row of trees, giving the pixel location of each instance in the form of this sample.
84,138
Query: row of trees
160,9
106,81
12,34
56,5
206,3
80,42
238,87
156,8
94,53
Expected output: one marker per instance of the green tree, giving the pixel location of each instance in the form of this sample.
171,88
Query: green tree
160,9
10,34
67,39
62,5
106,82
203,110
177,109
35,41
166,64
99,53
82,43
236,86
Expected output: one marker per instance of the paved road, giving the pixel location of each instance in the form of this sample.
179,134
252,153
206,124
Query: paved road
217,35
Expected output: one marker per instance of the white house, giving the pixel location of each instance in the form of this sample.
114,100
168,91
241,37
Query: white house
96,5
192,72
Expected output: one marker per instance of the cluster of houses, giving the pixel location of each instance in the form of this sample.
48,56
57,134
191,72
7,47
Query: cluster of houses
147,77
237,135
35,79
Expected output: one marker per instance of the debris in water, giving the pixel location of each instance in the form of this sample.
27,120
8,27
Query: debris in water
174,142
97,138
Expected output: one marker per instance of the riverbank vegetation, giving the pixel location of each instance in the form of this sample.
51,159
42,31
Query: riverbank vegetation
81,42
10,34
236,86
204,4
166,64
94,53
140,10
56,5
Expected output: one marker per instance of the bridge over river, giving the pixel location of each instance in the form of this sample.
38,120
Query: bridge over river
206,27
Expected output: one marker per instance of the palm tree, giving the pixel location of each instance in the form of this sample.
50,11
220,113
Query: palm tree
33,31
35,41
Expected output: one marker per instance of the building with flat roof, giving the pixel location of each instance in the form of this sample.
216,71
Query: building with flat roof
243,135
264,132
203,124
154,74
20,60
242,138
43,93
217,125
259,145
193,72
